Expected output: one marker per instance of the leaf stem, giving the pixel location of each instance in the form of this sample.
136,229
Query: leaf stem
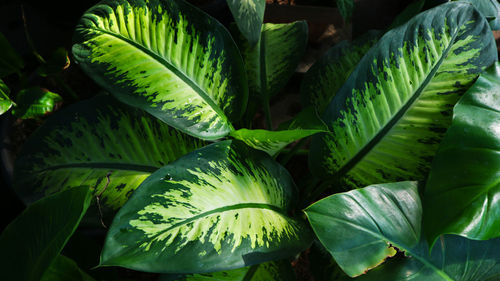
267,113
29,39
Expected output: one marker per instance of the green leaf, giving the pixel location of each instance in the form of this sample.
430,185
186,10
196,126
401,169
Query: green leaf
248,15
167,58
221,207
271,62
269,271
10,61
57,62
453,258
328,74
361,227
34,239
409,12
5,102
461,191
92,142
490,9
65,269
346,7
35,102
387,120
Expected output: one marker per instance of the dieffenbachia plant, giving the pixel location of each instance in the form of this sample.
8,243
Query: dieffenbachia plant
227,210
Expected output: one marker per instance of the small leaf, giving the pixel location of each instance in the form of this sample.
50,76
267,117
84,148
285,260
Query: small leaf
361,227
346,7
269,271
65,269
167,58
461,191
34,239
218,208
35,102
5,102
10,61
248,15
93,142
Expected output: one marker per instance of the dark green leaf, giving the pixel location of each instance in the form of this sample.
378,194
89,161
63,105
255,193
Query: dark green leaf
221,207
453,258
10,61
463,186
248,15
35,102
328,74
167,58
5,102
57,62
361,227
269,271
34,239
65,269
388,119
346,7
92,142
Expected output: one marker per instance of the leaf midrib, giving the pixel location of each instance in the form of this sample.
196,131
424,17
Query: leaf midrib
221,210
186,79
397,117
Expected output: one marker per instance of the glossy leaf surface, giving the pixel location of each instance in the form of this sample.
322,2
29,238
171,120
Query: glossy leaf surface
248,15
269,271
221,207
359,228
35,238
387,120
490,9
92,142
462,191
167,58
10,61
5,102
328,74
453,258
35,102
272,61
65,269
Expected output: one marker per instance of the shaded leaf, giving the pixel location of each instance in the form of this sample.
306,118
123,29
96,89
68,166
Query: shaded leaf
92,142
409,12
387,120
57,62
10,61
167,58
328,74
35,102
65,269
221,207
346,7
359,228
463,185
248,15
36,237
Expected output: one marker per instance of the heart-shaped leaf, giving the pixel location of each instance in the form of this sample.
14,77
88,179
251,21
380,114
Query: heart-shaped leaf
100,143
453,258
221,207
34,239
167,58
463,186
248,15
387,120
360,227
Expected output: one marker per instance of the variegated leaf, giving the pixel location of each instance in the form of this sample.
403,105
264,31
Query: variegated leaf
167,58
93,142
387,120
221,207
328,74
248,15
35,102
